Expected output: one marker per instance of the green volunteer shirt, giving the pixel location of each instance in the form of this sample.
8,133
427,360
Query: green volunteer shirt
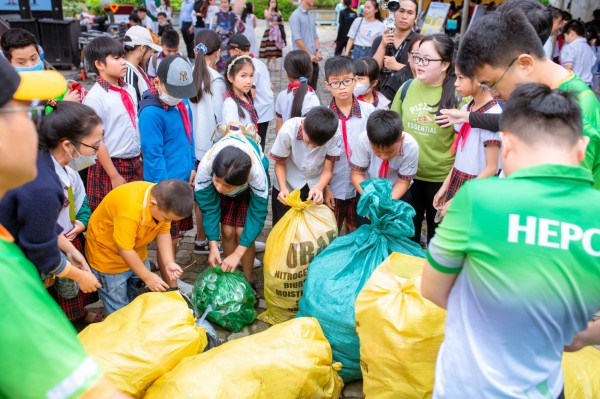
527,256
418,117
590,110
41,355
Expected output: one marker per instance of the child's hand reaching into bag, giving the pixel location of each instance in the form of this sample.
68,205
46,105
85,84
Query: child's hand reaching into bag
316,194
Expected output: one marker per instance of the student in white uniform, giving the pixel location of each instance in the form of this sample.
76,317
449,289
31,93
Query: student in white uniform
139,47
367,78
239,78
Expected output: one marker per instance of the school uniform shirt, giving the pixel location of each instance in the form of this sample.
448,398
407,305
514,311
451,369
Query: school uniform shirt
138,79
303,165
231,114
470,154
263,100
580,56
122,220
364,32
121,137
528,275
379,100
403,166
208,198
155,62
340,184
285,99
74,191
208,113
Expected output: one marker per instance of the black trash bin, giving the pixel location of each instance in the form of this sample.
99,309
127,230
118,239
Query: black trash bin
60,40
30,25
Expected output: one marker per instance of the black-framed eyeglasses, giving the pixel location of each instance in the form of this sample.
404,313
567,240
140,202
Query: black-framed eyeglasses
492,88
344,83
95,148
424,61
36,113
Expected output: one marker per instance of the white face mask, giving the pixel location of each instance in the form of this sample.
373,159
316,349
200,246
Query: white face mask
361,88
169,100
236,190
82,161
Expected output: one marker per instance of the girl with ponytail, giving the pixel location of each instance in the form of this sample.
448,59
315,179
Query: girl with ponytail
299,97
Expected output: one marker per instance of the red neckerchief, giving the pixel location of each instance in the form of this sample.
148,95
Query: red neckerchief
248,105
384,169
375,99
465,129
293,87
125,97
354,111
185,116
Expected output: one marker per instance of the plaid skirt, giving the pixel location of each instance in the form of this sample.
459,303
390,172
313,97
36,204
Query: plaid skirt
98,182
74,308
180,226
234,209
457,179
346,209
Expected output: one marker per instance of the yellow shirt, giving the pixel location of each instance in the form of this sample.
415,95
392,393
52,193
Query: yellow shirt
122,220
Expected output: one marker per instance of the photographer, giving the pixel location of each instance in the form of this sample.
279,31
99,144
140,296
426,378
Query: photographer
393,61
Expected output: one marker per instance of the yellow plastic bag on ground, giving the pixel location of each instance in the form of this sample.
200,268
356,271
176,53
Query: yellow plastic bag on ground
400,332
140,342
288,361
302,233
581,371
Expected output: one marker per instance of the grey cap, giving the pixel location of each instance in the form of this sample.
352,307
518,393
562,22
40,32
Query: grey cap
177,75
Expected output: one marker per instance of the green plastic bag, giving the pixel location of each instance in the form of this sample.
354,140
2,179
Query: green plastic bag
230,296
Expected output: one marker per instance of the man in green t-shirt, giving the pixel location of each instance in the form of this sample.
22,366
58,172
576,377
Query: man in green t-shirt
516,261
502,50
41,355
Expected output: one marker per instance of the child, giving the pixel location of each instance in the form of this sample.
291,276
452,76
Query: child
261,93
21,49
226,23
299,97
232,187
206,108
120,229
145,19
577,55
385,151
208,11
170,46
115,103
340,195
304,153
367,79
239,78
168,139
249,20
503,242
477,150
163,25
139,47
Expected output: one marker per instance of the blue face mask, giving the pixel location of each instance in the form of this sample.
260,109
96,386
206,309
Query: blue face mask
37,67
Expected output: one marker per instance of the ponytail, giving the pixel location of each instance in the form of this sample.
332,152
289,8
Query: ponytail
206,42
298,65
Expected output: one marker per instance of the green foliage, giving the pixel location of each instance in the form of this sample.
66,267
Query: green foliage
71,8
176,4
328,4
286,8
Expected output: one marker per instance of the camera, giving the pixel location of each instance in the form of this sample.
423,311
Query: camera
392,6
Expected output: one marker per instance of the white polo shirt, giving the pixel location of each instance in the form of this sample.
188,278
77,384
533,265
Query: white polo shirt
263,102
341,185
121,138
303,165
581,57
403,166
283,105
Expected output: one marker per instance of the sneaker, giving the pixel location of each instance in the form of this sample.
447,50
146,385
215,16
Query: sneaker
259,246
257,263
204,248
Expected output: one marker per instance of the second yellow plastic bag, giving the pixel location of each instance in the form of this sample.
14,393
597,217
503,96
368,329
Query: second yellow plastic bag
400,332
581,373
140,342
302,233
288,361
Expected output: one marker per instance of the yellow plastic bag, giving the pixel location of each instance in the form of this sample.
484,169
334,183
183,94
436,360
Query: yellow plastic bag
302,233
288,361
140,342
400,332
581,373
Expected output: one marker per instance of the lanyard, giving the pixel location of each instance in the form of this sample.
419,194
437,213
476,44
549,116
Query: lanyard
71,197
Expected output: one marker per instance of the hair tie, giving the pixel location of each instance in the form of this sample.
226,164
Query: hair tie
239,57
303,79
52,102
201,47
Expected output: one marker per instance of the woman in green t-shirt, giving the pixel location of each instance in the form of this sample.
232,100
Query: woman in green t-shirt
418,101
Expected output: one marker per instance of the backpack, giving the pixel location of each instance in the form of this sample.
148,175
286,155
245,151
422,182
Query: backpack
405,89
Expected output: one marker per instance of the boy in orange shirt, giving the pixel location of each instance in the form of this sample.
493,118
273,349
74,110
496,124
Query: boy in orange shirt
128,219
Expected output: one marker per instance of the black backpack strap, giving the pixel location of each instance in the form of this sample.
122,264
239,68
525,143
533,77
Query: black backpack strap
405,89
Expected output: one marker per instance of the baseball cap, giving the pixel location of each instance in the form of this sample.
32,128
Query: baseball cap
176,74
140,36
238,41
29,86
